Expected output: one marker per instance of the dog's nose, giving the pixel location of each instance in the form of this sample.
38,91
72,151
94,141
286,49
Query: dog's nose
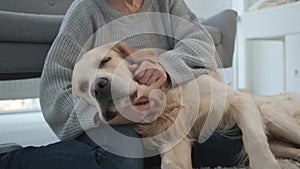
101,88
100,83
102,92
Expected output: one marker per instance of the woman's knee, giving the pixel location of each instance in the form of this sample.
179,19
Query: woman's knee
132,163
108,160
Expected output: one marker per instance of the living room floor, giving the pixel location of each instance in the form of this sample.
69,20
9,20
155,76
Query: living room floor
25,129
30,129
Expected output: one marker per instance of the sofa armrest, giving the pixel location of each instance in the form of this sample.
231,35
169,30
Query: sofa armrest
226,23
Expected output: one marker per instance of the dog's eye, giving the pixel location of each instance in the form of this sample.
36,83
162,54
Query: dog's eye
104,61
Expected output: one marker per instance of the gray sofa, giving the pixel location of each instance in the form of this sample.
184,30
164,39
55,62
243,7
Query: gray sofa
28,27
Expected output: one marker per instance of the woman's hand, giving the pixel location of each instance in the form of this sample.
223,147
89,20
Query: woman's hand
148,73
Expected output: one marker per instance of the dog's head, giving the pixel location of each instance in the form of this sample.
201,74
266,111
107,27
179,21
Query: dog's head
102,75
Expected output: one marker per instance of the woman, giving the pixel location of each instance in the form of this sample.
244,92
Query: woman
190,52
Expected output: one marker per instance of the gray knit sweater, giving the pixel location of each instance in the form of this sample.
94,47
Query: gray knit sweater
189,52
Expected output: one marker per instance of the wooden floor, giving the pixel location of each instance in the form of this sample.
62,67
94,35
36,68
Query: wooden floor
26,129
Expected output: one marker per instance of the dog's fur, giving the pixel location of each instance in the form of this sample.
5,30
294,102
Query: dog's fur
269,124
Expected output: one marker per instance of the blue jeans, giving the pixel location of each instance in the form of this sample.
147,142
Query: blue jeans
82,152
79,153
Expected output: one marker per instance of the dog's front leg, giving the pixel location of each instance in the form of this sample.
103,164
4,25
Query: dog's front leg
247,115
179,157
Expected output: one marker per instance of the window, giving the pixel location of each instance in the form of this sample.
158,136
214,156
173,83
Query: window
19,96
19,106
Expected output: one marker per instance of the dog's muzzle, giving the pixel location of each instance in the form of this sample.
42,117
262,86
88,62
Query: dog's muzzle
101,91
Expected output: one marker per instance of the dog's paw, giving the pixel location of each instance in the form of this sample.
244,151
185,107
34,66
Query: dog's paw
266,165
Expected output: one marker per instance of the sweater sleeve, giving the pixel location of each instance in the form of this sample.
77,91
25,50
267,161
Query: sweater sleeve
194,51
65,114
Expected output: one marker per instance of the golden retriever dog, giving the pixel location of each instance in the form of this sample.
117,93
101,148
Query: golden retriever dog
269,124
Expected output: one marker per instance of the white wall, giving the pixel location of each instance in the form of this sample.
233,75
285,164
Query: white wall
207,8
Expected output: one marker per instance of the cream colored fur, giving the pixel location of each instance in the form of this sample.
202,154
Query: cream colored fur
270,124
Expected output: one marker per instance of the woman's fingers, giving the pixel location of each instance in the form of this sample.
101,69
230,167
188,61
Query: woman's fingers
148,73
133,67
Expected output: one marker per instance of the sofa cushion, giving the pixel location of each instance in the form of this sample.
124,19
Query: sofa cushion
26,38
51,7
43,28
21,27
22,58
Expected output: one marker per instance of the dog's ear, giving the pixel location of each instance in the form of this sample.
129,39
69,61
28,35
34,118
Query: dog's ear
123,49
136,55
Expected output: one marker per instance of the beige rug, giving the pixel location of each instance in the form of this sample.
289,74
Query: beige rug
284,163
